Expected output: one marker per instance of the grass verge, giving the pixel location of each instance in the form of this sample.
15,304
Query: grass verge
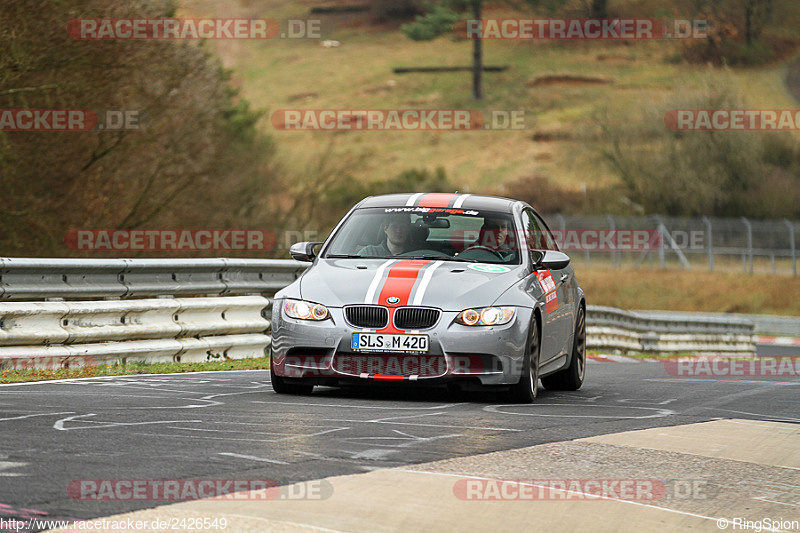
20,376
680,290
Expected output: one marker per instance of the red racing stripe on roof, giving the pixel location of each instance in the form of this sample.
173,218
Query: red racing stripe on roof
437,199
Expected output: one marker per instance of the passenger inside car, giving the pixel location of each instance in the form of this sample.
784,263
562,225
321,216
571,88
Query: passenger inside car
397,237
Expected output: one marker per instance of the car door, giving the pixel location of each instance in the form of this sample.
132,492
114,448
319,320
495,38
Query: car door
558,308
567,289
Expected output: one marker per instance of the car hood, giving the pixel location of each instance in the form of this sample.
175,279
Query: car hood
449,285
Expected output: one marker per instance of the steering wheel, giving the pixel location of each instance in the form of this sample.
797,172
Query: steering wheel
486,248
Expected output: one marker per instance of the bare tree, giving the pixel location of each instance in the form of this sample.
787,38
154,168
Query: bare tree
197,158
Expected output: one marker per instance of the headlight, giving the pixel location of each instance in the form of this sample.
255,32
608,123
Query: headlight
486,316
305,310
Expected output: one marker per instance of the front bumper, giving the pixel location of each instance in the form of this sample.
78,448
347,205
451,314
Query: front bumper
322,351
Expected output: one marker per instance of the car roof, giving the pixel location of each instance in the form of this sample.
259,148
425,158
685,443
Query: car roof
451,200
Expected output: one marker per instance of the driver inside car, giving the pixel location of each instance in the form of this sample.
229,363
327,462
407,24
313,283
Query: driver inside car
494,234
397,230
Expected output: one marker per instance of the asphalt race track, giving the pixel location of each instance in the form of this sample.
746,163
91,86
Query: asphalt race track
772,350
231,425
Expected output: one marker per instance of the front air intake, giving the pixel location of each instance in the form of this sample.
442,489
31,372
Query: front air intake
367,316
415,317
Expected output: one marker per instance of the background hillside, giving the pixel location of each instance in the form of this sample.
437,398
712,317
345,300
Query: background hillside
578,97
595,141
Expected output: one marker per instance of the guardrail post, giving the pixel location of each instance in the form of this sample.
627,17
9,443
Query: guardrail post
792,246
665,236
587,255
562,225
612,226
710,244
661,229
749,227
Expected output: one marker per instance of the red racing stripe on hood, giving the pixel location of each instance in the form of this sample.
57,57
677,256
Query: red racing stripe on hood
399,283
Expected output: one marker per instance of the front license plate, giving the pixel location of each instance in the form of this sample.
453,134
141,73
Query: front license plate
389,342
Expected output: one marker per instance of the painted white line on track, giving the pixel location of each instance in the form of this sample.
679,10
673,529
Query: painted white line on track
8,465
407,439
207,430
38,414
303,436
72,380
403,416
253,458
418,424
59,425
659,412
350,406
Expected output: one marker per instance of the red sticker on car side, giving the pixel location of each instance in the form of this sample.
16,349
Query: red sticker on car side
549,288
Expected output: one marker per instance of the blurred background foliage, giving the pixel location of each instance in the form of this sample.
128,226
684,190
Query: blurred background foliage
207,156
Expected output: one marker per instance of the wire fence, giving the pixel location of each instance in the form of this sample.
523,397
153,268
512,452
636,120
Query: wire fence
703,243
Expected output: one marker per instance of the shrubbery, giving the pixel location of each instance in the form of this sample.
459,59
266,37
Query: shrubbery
736,173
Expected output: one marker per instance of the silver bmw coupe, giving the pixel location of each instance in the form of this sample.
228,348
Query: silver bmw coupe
458,289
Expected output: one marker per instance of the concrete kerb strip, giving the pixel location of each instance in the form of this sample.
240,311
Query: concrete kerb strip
423,496
755,441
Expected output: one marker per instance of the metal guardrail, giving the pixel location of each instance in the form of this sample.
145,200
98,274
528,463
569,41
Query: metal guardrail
58,334
764,324
48,323
48,317
38,279
608,328
69,328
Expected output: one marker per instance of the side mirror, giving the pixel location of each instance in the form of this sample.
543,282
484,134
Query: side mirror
303,251
551,260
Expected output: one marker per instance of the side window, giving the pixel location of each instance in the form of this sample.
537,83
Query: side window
549,241
536,233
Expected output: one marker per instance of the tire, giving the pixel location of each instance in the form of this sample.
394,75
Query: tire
282,385
571,378
528,387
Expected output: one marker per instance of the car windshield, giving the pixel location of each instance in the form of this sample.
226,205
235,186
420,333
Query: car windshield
427,233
